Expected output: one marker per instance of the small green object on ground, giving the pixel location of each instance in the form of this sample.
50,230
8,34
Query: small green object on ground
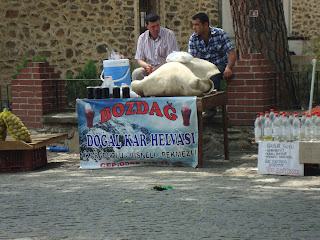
161,188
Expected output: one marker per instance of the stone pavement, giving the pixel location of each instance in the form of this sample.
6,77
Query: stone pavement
222,200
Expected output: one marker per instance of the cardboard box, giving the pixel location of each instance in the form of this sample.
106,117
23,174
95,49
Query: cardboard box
309,152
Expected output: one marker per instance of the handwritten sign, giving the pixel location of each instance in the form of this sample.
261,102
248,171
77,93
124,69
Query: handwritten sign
279,158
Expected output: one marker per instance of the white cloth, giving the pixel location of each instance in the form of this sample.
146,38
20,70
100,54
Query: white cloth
178,79
182,57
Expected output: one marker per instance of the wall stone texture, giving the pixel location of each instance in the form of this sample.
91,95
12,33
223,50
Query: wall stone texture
305,18
71,32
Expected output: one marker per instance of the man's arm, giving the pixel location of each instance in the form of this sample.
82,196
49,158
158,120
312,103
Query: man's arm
231,61
143,64
140,56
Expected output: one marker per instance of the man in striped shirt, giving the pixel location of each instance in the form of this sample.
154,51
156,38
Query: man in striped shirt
154,45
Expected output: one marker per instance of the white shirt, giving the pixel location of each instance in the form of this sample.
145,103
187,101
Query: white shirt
155,51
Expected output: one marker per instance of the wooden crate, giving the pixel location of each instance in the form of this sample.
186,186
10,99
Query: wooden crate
18,156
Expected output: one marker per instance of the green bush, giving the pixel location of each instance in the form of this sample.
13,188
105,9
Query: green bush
39,58
78,88
315,46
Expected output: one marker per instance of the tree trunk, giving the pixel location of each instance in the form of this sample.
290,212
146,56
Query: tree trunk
266,33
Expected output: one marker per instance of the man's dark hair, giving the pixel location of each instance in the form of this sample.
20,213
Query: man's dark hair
151,17
202,16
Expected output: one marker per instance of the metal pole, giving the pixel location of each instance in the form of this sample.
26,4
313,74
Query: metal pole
314,61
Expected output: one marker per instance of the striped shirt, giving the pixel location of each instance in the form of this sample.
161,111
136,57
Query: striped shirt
156,51
216,50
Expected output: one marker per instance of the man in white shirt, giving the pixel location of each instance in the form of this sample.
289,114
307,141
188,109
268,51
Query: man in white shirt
154,45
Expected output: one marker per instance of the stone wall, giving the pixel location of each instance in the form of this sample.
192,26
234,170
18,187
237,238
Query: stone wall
71,32
305,18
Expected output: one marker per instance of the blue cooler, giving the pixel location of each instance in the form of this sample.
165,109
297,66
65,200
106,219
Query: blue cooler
118,69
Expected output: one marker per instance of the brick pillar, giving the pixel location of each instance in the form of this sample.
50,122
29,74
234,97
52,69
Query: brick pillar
34,93
251,90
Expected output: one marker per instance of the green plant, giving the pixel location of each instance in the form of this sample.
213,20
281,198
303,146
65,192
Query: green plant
315,46
40,58
76,88
19,68
25,61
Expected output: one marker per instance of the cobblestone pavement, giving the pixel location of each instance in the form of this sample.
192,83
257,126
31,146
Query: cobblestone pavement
222,200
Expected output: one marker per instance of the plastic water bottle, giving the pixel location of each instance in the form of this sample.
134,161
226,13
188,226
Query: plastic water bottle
272,115
276,128
267,129
281,116
108,82
290,118
303,118
286,130
258,129
316,133
262,118
302,129
308,129
296,133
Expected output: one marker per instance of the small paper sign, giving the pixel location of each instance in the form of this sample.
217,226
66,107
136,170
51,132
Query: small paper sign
279,158
253,13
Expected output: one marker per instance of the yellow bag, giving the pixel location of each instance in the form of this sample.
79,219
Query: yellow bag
15,127
3,128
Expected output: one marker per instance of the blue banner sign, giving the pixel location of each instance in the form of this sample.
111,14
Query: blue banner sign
127,132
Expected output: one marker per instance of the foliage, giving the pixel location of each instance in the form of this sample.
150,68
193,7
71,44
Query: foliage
315,46
89,71
39,58
76,88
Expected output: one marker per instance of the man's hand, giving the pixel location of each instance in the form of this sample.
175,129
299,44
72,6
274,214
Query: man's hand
227,73
232,59
148,68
